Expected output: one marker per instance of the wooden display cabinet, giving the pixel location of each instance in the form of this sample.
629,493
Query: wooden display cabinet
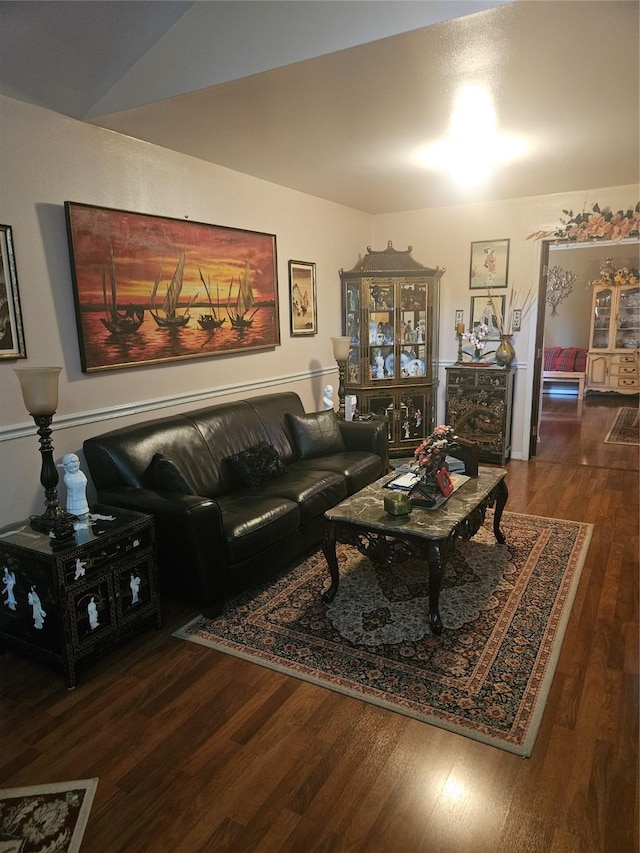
390,312
614,343
68,603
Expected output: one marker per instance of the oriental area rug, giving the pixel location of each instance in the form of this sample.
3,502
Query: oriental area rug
487,676
45,818
626,427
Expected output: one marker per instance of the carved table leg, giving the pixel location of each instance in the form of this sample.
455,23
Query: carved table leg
435,562
502,493
329,551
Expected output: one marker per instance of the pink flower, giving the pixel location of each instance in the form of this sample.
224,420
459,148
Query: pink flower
597,225
620,227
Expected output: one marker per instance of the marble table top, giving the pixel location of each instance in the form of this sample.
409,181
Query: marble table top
366,508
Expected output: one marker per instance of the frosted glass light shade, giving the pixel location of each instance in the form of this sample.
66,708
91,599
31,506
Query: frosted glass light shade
39,388
341,347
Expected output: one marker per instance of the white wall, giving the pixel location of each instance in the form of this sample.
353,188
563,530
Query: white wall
46,159
443,236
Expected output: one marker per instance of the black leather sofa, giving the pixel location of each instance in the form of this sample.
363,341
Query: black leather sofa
237,490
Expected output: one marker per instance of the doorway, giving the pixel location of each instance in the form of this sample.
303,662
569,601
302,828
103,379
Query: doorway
570,326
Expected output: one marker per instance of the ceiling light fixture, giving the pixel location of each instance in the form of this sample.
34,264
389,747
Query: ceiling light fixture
474,147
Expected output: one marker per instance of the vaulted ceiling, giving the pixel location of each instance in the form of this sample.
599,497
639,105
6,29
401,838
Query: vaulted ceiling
336,98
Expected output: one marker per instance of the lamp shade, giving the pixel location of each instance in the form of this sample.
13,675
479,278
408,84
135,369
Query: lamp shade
39,388
341,347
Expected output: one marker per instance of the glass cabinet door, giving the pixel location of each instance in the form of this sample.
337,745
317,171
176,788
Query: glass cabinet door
381,315
628,319
413,319
353,330
601,318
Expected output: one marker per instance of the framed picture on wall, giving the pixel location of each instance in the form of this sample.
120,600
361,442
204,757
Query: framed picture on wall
483,310
150,289
11,332
302,298
489,264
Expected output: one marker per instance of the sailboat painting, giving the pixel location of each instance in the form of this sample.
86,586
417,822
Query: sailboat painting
149,289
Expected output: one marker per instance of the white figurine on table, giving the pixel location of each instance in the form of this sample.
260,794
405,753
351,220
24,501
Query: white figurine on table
327,397
76,483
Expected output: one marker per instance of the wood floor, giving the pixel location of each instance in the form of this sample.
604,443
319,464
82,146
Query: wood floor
198,751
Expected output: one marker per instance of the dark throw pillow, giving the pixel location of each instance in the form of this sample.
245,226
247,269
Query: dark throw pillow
166,476
316,434
258,464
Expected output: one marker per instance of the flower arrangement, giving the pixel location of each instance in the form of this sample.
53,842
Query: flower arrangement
598,224
431,454
476,336
612,277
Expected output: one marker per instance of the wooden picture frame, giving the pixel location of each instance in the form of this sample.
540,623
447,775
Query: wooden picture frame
12,343
150,289
482,310
303,310
489,267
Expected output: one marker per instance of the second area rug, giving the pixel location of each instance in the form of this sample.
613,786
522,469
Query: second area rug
626,427
505,609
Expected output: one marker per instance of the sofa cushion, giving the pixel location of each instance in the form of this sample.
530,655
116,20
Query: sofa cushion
566,360
358,467
580,364
316,434
257,464
314,491
252,522
163,474
551,355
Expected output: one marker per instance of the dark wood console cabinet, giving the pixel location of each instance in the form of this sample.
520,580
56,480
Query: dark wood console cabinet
479,408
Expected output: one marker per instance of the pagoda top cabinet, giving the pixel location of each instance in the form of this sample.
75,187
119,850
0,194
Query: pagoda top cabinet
390,312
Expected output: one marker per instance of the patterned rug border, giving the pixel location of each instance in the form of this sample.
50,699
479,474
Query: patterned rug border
619,426
559,619
89,787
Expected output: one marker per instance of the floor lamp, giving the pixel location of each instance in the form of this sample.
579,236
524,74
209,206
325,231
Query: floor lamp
341,347
40,394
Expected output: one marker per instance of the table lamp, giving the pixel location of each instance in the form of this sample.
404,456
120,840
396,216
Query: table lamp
341,347
39,387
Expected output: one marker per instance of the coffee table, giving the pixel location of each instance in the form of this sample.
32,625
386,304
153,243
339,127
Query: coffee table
362,521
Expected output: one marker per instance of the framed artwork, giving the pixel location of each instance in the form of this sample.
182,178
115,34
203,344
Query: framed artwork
302,298
489,264
150,289
444,481
11,332
483,311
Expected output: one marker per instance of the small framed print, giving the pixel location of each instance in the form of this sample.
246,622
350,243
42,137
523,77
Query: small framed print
489,264
483,312
11,333
444,481
302,298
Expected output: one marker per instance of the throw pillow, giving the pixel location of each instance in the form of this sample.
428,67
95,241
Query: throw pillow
258,464
316,434
165,475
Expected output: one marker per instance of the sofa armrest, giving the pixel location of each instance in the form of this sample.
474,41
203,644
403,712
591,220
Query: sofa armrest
371,436
188,532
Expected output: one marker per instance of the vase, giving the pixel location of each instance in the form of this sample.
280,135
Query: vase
505,352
